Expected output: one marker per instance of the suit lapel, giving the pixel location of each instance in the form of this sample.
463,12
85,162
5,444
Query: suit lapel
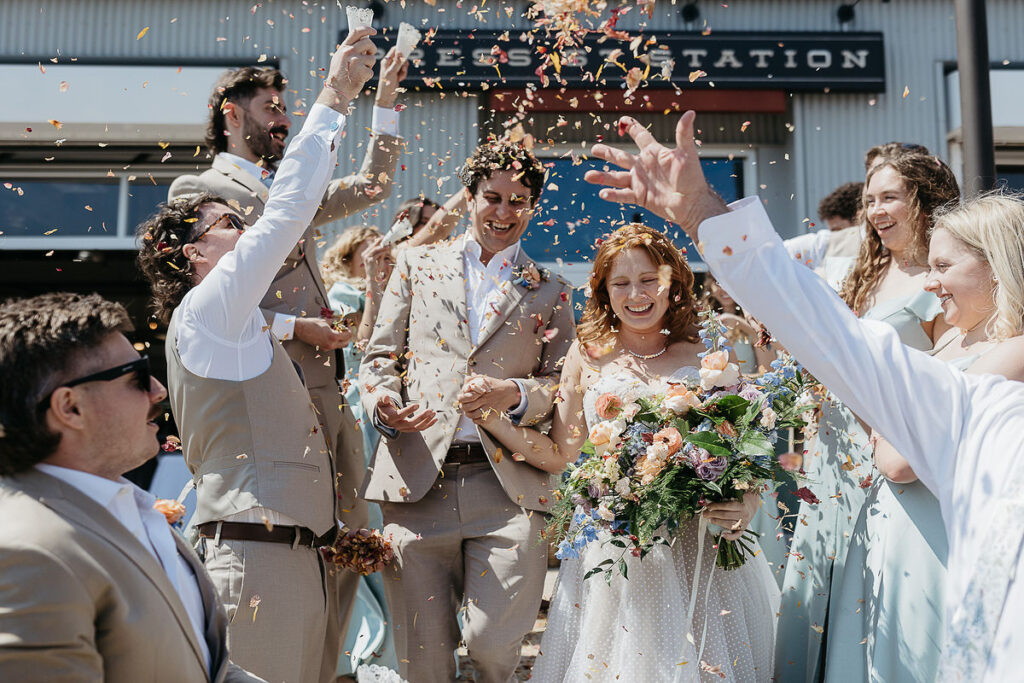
81,511
252,184
504,306
452,283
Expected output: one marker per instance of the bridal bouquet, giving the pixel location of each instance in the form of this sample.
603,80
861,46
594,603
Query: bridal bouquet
656,461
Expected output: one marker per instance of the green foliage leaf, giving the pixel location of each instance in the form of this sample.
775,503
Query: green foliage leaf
709,441
753,442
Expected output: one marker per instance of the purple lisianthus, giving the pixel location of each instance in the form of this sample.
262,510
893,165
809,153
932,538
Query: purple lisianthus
751,393
707,467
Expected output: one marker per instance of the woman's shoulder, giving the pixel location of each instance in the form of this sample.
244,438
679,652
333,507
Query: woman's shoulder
1005,358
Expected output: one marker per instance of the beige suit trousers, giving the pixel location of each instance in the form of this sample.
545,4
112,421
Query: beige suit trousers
463,545
276,600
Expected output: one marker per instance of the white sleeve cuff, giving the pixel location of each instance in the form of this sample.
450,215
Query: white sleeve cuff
385,121
325,122
283,326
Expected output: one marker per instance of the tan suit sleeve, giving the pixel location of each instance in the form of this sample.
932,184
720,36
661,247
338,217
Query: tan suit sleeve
541,388
236,674
353,193
381,367
187,184
47,630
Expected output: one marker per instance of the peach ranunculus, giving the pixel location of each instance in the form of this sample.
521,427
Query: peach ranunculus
678,399
172,510
717,371
608,406
671,437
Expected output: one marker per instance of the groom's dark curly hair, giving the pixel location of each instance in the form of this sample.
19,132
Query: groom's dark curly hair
504,155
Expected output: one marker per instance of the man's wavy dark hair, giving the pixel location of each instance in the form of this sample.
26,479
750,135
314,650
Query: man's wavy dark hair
502,155
239,86
42,341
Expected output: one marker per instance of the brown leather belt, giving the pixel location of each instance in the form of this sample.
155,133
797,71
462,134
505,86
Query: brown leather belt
244,531
465,453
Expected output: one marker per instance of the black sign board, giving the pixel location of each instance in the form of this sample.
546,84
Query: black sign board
467,59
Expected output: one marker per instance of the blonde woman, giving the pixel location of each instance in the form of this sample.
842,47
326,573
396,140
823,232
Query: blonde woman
886,620
886,284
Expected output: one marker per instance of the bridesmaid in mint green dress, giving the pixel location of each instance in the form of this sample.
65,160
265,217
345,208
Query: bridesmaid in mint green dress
886,623
885,285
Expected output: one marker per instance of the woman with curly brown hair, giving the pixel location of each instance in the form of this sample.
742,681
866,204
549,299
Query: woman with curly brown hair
901,196
639,332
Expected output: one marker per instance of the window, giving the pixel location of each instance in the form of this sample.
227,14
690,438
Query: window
78,209
573,216
1010,176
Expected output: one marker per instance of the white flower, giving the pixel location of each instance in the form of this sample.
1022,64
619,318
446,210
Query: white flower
711,378
607,432
629,411
658,452
604,513
610,471
768,417
622,487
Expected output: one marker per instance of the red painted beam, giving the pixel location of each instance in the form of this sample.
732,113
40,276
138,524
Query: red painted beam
584,100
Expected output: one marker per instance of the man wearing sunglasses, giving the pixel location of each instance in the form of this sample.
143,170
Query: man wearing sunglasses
263,472
247,130
94,583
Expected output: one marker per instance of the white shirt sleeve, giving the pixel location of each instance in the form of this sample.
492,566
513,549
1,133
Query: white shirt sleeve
221,332
809,249
283,326
384,121
915,401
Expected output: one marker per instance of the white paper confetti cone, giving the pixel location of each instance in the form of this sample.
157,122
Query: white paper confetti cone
408,38
359,17
400,230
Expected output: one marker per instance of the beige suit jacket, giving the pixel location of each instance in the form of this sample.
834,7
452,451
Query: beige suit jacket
298,288
82,600
421,352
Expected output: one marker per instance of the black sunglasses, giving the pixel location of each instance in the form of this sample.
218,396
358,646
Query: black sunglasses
234,223
139,366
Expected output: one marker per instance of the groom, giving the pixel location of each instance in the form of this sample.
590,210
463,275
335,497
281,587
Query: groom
464,326
960,433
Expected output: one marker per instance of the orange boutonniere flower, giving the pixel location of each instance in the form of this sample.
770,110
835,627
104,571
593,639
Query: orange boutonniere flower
172,510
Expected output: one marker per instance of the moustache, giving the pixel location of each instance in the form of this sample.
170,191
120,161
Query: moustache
154,413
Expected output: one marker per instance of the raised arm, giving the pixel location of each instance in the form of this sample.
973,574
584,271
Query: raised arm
917,402
442,224
223,301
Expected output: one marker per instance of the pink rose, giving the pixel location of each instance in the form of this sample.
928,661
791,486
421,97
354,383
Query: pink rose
608,406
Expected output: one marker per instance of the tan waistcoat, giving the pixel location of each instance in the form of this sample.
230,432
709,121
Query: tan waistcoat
255,443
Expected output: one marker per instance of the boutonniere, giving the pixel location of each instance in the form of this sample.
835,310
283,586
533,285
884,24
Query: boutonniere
172,510
529,275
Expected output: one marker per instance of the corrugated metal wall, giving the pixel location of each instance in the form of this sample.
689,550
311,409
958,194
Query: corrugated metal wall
825,146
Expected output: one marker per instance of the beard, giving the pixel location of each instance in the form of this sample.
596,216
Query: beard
260,143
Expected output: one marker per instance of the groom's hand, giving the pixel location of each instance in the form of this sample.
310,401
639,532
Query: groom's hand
481,394
668,182
405,419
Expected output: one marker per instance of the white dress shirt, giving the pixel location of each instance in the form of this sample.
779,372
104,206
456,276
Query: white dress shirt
384,122
486,285
809,249
961,433
221,332
133,508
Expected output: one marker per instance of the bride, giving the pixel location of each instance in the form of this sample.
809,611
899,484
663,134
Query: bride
638,331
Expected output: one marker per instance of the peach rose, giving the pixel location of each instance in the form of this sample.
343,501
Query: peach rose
715,360
717,371
679,400
606,433
671,437
172,510
608,406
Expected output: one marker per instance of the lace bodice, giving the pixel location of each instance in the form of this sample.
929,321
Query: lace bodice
629,387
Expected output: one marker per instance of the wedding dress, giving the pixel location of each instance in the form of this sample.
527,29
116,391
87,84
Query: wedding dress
635,630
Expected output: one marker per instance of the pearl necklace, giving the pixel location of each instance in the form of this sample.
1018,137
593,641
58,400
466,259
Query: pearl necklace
642,356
